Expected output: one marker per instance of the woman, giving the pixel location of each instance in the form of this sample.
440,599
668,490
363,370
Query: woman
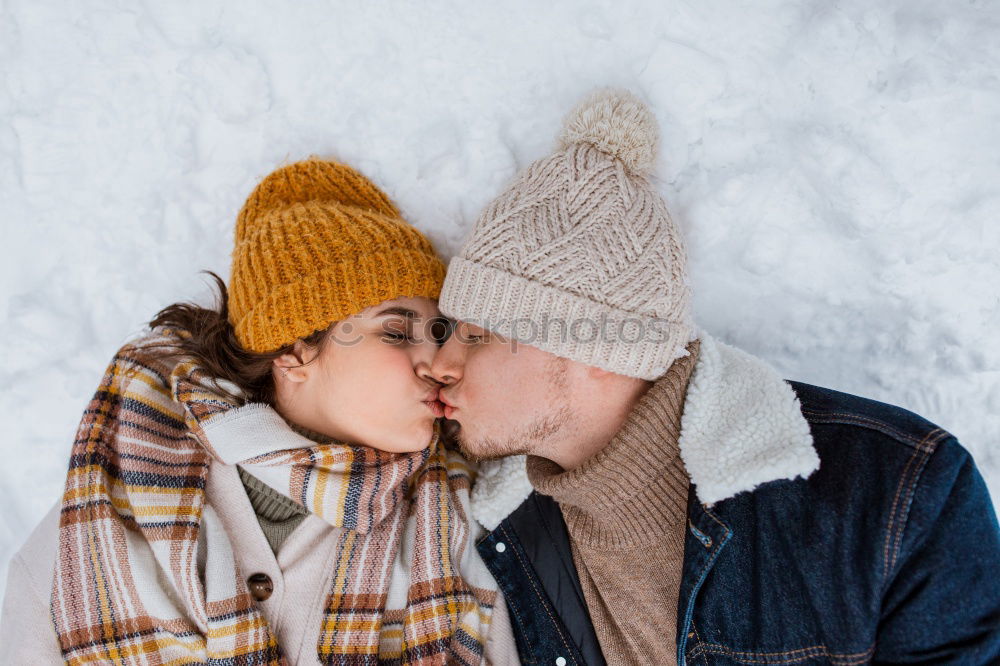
264,483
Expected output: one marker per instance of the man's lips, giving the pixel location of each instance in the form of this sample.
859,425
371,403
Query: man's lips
449,408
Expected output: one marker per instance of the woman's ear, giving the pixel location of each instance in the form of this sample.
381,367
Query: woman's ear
295,364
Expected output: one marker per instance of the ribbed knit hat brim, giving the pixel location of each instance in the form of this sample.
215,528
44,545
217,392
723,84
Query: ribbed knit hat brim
561,322
315,243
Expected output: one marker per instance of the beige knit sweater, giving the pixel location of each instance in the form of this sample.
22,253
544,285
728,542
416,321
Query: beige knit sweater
277,514
626,513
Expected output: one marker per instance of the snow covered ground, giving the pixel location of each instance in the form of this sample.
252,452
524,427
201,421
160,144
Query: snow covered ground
833,165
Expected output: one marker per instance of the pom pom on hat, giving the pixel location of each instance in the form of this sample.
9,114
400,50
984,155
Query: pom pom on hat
583,235
618,123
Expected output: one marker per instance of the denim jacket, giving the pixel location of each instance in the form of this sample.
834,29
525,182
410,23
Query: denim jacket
823,528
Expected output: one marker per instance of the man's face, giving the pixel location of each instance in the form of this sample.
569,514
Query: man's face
508,397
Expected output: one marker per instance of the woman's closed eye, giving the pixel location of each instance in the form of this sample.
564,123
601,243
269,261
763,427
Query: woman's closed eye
397,337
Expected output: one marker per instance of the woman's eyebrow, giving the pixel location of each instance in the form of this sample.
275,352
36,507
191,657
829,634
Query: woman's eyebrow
402,312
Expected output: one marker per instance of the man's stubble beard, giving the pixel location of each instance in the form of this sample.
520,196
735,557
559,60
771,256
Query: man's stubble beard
531,439
528,441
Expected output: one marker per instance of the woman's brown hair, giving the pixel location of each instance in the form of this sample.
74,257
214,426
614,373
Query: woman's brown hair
211,342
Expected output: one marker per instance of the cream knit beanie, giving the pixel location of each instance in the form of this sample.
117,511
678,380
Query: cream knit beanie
579,257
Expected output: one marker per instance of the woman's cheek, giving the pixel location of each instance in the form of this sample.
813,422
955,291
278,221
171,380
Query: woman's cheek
390,376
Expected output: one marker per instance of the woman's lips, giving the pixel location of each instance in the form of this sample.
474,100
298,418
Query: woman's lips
437,407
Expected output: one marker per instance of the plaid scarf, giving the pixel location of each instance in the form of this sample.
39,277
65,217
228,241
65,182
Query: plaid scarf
146,573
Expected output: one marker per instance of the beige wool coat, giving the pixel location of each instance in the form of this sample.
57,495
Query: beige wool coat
300,575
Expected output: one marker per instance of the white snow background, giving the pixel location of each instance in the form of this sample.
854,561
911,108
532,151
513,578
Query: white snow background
832,164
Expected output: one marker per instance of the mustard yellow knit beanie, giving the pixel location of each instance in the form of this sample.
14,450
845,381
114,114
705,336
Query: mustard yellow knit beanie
317,242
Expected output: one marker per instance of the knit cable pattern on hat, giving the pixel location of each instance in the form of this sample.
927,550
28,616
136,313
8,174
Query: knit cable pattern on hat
579,256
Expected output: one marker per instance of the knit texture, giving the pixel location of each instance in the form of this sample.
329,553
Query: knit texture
626,510
146,572
277,514
579,256
316,242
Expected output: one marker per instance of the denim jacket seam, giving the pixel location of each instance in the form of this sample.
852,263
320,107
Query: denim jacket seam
890,522
864,421
702,574
512,605
712,516
894,528
699,535
842,659
696,651
524,637
748,657
538,593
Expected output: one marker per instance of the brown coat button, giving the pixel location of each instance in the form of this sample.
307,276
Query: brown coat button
260,586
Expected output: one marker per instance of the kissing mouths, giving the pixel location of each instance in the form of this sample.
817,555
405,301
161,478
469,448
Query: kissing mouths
436,406
449,408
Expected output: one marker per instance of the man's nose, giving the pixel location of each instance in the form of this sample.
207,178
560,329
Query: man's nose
448,363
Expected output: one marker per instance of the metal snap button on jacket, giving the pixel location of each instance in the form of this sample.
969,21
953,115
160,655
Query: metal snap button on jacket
260,586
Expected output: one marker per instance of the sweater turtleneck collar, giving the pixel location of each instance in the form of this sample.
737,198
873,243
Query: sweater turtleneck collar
632,490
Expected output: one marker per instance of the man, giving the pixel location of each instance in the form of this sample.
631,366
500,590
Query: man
685,503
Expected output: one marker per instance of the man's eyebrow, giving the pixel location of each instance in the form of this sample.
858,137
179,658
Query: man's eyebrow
402,312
